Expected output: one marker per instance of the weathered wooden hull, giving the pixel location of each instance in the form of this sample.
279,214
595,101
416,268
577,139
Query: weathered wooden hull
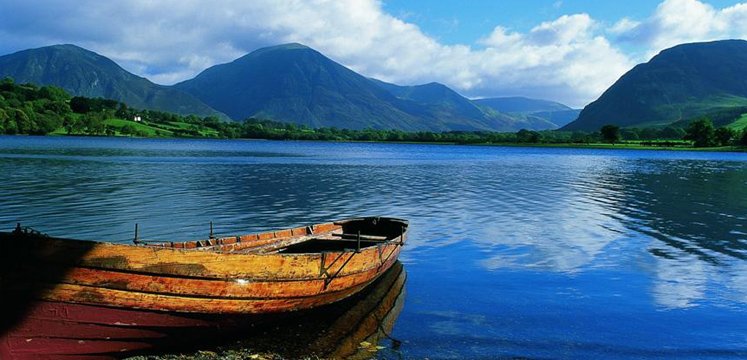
60,286
57,330
54,330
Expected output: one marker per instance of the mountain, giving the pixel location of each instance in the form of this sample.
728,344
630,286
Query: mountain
519,104
290,83
434,95
440,102
543,114
84,73
679,83
294,83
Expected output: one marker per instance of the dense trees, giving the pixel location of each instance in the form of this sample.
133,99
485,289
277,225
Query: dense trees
610,133
701,133
528,136
29,109
725,136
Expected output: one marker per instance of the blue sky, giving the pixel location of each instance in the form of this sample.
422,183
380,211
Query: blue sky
564,50
466,22
461,22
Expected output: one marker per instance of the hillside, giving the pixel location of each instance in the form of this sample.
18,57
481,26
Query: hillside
290,83
441,102
679,83
517,104
544,114
294,83
84,73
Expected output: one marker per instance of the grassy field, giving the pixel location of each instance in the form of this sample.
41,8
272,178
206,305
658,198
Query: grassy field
183,129
148,129
740,123
151,131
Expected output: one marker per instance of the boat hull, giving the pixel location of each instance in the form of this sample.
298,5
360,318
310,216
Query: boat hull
56,286
56,330
53,330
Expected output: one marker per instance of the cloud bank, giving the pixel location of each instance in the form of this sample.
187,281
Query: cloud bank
571,59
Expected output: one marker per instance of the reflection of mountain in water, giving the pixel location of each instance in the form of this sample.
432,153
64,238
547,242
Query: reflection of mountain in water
683,220
692,208
692,217
355,328
695,213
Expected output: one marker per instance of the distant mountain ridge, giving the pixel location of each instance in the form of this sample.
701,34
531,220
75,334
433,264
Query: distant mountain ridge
543,113
295,83
442,102
518,104
84,73
679,83
291,83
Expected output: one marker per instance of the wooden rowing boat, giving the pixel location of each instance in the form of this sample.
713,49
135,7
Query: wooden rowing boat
121,291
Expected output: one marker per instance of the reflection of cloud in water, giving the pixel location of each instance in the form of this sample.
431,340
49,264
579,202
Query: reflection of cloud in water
452,323
678,283
560,244
560,227
688,214
737,282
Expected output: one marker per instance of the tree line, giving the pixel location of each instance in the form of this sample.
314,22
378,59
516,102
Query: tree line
40,110
701,132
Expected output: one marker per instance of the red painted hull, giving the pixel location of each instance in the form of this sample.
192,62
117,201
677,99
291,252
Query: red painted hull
54,330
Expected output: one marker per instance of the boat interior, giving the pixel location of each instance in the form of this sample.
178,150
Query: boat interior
346,235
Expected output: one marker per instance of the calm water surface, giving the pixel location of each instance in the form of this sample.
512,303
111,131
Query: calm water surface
540,253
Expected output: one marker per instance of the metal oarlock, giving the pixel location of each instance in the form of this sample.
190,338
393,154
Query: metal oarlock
136,240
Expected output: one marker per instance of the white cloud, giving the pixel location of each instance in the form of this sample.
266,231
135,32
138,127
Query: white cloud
623,26
557,55
683,21
569,59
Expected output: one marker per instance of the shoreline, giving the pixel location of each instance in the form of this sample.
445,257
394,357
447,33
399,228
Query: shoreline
596,146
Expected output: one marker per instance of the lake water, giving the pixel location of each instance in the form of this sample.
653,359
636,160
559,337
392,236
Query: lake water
513,252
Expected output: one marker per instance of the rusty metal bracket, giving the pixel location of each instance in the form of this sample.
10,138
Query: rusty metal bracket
325,270
136,240
394,249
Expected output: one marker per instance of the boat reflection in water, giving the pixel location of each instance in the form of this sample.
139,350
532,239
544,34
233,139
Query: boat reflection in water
355,327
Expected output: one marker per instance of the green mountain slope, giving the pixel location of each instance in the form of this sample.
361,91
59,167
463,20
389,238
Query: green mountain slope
294,83
435,95
679,83
517,104
85,73
543,114
440,102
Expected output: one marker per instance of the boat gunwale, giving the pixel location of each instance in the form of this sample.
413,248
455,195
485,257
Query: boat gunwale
218,248
199,264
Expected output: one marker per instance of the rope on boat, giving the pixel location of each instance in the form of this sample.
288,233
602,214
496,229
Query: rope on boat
395,342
